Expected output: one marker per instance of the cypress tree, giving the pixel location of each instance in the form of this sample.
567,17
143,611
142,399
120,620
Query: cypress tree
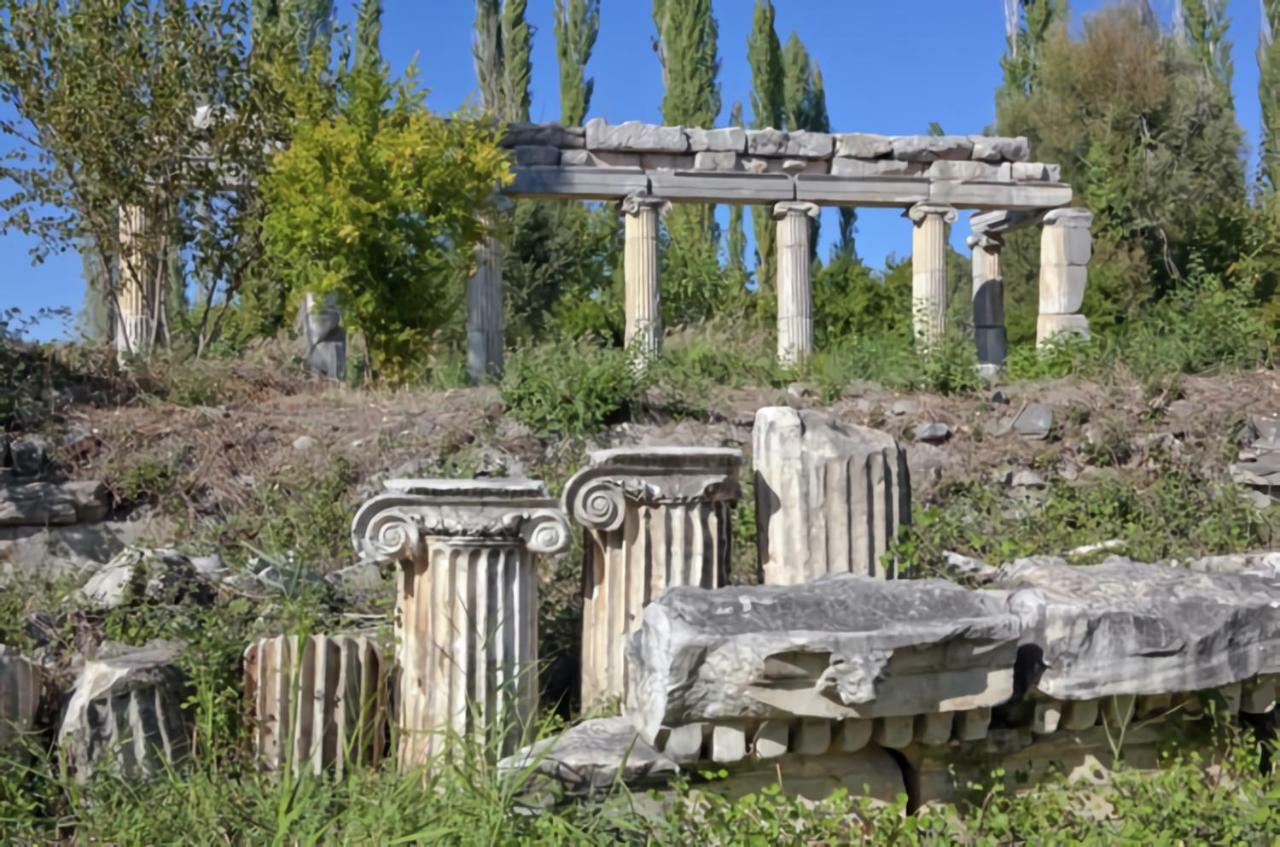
1269,92
768,109
368,35
487,50
577,26
736,239
1202,26
1028,24
517,64
805,100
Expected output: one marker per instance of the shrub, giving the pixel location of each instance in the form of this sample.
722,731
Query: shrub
571,388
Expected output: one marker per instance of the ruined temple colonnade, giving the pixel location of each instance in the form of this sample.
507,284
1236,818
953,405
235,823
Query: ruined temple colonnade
645,168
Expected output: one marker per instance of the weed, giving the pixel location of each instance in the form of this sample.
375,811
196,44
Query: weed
571,389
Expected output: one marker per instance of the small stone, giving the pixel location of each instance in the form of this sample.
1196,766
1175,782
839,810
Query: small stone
1027,478
28,454
304,442
1034,422
933,432
903,407
999,398
79,443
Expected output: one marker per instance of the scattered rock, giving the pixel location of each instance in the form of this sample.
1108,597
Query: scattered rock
999,398
802,390
590,758
1027,478
28,455
43,504
304,442
904,407
967,566
80,444
933,432
160,576
1035,422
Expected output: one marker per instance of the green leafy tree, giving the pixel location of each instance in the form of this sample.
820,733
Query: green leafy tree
1202,25
768,109
294,29
380,205
369,35
577,26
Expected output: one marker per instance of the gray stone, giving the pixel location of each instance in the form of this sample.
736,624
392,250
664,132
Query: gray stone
708,160
1259,564
79,443
950,169
931,148
1027,478
162,576
1126,628
592,757
1035,172
1034,422
53,503
576,158
801,144
614,159
304,442
861,145
126,714
1262,432
56,551
549,135
933,432
533,155
990,148
21,683
633,136
725,140
876,167
28,455
839,647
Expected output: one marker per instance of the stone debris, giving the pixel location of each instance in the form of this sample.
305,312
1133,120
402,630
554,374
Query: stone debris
933,432
21,687
126,713
1034,422
42,504
158,576
589,758
28,455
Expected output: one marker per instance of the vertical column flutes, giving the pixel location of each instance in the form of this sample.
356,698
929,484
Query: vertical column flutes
484,311
795,296
929,271
640,274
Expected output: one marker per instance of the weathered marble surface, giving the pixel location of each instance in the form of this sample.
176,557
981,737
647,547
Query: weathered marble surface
21,684
1124,627
593,756
838,647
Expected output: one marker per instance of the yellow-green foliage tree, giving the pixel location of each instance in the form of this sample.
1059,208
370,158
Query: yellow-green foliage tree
381,205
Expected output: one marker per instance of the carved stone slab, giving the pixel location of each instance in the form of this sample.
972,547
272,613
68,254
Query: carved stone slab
838,647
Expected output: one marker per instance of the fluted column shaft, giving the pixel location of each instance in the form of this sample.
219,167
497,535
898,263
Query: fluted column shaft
653,519
1066,246
133,321
640,274
484,312
795,295
929,271
988,299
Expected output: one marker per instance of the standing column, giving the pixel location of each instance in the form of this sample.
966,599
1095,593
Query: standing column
466,605
640,273
133,323
654,518
988,300
484,312
929,271
1065,248
795,297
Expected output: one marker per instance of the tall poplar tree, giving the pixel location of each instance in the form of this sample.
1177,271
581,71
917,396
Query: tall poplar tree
1202,26
577,26
736,238
1269,92
517,62
805,99
1028,25
487,50
768,109
369,35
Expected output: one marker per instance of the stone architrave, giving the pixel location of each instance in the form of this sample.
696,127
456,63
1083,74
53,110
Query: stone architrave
466,604
640,274
653,517
988,299
795,296
838,648
1065,248
324,336
127,713
21,682
133,320
830,496
318,704
485,340
929,270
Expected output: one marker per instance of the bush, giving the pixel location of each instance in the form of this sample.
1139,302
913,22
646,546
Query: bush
571,389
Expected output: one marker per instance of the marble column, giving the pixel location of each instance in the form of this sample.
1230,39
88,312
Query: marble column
133,321
323,335
653,518
484,312
929,271
795,296
1065,248
466,605
21,690
641,214
988,300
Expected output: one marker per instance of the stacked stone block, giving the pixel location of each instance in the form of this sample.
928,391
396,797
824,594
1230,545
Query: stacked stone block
1065,248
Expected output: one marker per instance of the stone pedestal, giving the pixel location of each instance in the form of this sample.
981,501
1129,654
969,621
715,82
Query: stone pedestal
830,496
654,518
1065,248
929,271
795,297
21,681
132,318
466,605
640,272
484,313
323,335
319,704
988,300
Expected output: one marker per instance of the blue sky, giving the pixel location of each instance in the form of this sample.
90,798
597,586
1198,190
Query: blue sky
891,66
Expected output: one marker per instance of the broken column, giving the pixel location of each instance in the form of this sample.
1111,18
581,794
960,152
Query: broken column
484,310
133,321
830,496
988,300
1065,248
21,682
466,604
654,517
640,272
795,297
324,336
929,271
318,703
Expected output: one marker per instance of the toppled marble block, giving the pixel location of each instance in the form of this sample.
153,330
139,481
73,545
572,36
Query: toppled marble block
158,576
830,496
125,714
1127,628
593,756
21,683
839,647
319,704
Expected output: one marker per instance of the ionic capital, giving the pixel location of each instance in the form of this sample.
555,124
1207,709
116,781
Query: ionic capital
598,495
795,207
637,202
395,525
920,211
1072,216
985,241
